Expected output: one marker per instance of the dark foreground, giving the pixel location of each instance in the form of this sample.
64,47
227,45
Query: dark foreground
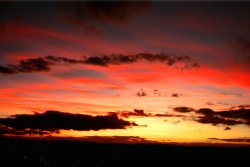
22,153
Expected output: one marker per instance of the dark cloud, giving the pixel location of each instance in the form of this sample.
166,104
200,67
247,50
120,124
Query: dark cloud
141,93
116,59
90,15
27,66
247,106
53,121
142,113
176,95
64,60
43,64
183,109
205,111
227,128
7,70
33,65
236,114
230,117
218,120
5,130
196,65
139,112
97,61
245,140
136,112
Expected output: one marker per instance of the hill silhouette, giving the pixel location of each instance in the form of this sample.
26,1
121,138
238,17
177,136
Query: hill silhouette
32,152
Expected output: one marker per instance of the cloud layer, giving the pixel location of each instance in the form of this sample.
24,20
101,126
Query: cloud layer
230,117
203,115
209,116
43,64
53,121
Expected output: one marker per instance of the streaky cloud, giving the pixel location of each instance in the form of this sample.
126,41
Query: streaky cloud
245,139
44,64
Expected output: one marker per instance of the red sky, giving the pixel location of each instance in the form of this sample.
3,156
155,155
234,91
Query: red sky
146,70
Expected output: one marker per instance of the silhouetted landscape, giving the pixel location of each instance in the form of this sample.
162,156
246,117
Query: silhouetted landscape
32,152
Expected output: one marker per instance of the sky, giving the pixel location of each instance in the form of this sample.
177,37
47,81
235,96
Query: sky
126,71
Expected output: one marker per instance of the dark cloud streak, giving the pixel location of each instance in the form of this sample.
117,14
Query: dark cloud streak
245,140
44,64
5,130
142,113
117,59
183,109
27,66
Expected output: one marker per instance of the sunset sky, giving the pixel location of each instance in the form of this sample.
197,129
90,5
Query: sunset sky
125,71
